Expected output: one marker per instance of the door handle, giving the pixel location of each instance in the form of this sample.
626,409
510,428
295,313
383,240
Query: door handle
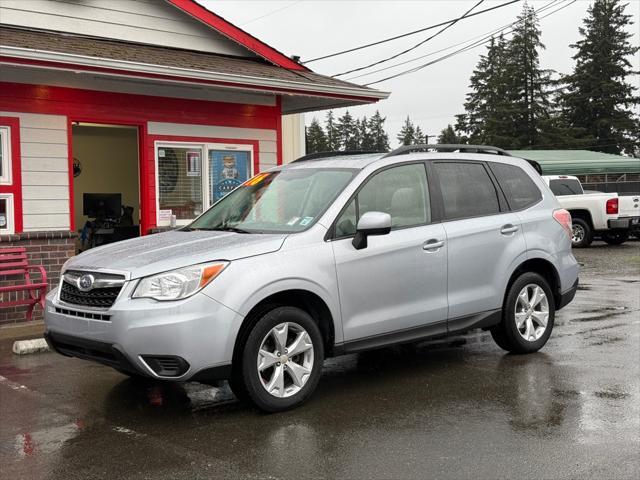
508,229
433,245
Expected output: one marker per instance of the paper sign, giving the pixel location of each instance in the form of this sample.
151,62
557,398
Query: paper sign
193,164
164,217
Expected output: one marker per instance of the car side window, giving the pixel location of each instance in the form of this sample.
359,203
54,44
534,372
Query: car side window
467,190
520,190
401,191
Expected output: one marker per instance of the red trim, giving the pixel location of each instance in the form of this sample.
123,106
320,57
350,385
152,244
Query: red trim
142,130
236,34
129,74
127,108
16,171
279,131
72,215
149,194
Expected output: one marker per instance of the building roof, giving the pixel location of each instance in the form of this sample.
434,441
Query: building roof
62,50
231,31
579,162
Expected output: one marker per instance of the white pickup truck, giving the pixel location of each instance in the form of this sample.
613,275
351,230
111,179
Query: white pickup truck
611,217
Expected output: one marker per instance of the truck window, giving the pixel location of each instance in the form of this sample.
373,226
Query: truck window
565,186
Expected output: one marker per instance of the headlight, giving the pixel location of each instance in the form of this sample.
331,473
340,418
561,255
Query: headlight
180,283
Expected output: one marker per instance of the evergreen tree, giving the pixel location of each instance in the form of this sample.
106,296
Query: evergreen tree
419,137
407,134
448,136
379,137
357,134
487,108
331,132
530,122
597,102
366,138
346,129
316,140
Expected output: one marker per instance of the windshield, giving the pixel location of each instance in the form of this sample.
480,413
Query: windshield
284,201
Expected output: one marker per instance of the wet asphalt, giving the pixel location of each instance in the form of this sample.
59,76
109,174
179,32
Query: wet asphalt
455,408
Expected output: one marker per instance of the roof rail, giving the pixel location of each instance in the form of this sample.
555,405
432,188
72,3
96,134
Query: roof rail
448,148
336,153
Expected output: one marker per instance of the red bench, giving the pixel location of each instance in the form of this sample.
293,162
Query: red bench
13,263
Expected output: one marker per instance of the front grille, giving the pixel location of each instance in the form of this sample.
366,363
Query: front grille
89,315
98,297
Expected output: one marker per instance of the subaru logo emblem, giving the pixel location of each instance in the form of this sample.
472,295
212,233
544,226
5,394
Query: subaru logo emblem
85,283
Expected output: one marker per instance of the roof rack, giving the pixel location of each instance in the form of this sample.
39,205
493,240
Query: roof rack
448,148
336,153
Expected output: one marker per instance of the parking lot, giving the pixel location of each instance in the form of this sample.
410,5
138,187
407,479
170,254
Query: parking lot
455,408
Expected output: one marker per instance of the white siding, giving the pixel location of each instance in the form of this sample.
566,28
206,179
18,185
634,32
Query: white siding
266,138
45,174
293,137
155,22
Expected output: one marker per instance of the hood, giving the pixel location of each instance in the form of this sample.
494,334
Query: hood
157,253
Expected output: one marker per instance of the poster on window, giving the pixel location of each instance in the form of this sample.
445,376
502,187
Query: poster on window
193,164
228,170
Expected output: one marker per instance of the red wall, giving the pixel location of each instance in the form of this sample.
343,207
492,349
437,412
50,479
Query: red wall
129,109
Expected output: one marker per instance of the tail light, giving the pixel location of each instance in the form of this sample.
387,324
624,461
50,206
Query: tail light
612,206
564,219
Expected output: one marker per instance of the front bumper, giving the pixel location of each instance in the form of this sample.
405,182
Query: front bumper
194,337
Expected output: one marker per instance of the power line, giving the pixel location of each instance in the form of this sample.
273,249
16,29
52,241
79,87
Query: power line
456,52
430,27
430,54
446,27
270,13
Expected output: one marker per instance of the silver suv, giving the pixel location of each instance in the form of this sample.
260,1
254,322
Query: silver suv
325,256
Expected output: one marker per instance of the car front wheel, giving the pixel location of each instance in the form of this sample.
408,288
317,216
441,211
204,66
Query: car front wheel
281,362
527,315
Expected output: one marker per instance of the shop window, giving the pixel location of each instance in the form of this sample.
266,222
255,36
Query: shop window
6,214
179,182
5,156
192,177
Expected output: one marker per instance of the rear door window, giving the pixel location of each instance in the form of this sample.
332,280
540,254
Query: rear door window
565,186
520,190
467,190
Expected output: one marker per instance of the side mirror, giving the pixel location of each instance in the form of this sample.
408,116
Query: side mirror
371,223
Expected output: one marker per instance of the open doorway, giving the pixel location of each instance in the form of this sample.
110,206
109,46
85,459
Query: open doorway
106,187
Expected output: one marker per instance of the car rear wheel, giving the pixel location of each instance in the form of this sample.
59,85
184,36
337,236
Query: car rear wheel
281,362
615,237
581,234
528,314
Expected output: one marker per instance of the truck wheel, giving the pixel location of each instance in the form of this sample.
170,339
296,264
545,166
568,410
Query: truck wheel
581,235
528,313
281,361
615,237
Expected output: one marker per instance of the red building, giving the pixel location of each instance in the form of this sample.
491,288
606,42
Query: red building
156,106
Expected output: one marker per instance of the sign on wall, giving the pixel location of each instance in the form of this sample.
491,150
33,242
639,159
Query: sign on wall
193,163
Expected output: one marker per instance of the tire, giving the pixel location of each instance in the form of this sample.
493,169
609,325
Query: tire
534,322
282,385
615,237
582,234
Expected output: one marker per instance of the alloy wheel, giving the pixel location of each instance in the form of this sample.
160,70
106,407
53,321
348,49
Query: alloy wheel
285,359
577,233
531,312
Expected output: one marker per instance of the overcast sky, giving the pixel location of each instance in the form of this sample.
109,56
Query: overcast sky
431,96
